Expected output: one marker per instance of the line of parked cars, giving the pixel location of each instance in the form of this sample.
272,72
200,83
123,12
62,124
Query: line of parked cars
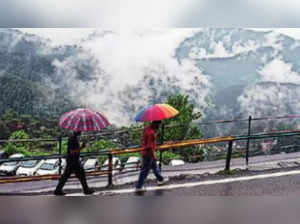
10,168
30,167
51,166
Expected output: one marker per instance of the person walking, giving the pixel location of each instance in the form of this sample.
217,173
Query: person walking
149,160
73,166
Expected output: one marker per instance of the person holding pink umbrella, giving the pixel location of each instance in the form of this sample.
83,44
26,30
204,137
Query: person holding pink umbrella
154,114
73,166
78,120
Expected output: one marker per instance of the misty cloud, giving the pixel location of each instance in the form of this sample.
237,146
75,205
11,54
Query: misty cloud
279,71
269,99
143,70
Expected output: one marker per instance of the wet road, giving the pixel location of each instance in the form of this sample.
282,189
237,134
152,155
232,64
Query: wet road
269,186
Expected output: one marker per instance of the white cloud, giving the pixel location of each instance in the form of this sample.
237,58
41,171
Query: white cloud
126,57
260,100
125,54
279,71
272,39
219,50
292,32
60,36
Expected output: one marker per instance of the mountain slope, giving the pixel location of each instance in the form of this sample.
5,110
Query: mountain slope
31,74
228,73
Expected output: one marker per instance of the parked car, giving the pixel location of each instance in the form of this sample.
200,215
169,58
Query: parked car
28,168
50,167
176,162
133,163
116,165
91,164
10,168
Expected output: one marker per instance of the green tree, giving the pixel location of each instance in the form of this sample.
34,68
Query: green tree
8,123
18,147
183,126
135,133
100,145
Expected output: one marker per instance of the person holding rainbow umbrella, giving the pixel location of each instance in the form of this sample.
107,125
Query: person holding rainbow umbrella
153,114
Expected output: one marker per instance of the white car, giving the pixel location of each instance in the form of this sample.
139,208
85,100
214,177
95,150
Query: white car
116,165
176,162
28,168
91,164
133,163
10,168
50,167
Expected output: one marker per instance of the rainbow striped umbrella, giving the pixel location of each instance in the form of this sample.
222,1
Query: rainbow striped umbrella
83,119
156,112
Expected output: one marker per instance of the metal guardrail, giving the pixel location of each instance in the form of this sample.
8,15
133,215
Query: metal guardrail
167,146
113,152
118,131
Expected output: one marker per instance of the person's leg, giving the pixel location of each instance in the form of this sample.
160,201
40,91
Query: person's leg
80,174
156,170
144,171
63,179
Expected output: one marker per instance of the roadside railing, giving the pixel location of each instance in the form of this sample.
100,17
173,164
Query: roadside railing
164,147
111,153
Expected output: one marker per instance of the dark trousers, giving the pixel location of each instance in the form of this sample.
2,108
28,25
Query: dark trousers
73,167
148,164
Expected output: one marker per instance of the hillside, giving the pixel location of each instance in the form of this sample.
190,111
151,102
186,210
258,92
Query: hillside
228,73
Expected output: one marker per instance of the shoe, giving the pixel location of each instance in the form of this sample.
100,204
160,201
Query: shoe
163,182
59,193
89,191
142,189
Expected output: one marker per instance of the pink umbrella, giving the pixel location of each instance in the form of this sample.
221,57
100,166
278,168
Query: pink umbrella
83,119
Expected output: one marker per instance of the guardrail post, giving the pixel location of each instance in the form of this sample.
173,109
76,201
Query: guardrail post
248,140
60,152
110,170
229,154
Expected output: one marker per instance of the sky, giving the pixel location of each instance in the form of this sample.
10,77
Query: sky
123,14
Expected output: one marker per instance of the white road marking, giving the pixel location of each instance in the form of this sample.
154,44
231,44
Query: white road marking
195,184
